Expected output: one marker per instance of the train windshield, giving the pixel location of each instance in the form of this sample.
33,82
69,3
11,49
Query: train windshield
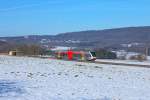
93,54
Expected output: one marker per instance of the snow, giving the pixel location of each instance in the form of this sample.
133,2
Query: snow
57,48
147,62
23,78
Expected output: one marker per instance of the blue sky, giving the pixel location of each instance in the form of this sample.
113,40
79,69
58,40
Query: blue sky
31,17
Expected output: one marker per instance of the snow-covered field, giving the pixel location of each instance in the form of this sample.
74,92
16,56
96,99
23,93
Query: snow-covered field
23,78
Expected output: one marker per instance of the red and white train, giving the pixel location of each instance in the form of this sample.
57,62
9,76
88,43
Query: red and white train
76,55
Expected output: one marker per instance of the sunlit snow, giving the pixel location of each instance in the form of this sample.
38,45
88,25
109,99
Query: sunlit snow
23,78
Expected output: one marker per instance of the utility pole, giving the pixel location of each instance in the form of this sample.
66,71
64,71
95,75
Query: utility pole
147,51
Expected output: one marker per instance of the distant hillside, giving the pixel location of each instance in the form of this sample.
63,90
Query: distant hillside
4,46
93,38
119,35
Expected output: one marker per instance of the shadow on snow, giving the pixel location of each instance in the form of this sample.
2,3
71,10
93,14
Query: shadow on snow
10,88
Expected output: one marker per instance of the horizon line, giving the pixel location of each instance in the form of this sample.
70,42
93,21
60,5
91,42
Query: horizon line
39,34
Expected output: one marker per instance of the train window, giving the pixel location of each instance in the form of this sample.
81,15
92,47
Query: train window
65,56
77,56
93,54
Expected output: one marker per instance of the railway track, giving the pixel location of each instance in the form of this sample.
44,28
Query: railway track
103,62
123,64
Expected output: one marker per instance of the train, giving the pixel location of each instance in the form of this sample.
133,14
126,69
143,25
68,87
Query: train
76,55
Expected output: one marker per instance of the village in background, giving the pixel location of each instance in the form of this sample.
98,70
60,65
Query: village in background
37,51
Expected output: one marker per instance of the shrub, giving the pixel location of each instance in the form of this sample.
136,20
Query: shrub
30,49
138,57
104,54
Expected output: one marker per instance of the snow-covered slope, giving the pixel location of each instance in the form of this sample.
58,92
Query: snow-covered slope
23,78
